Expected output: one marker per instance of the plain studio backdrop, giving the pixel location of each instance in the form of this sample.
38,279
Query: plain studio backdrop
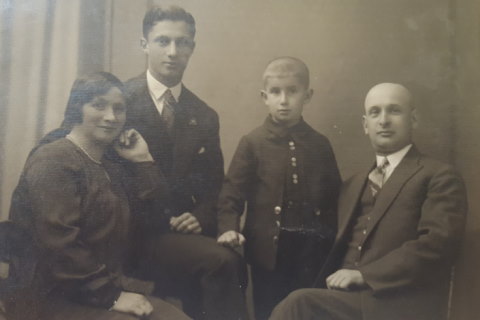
431,46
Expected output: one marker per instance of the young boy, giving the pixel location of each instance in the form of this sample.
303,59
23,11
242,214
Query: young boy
286,174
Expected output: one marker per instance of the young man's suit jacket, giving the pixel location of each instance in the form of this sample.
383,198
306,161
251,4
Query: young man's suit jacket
408,251
191,160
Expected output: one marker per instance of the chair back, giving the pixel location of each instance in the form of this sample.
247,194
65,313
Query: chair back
17,250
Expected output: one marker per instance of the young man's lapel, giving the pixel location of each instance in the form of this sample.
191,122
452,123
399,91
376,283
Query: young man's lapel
141,110
187,135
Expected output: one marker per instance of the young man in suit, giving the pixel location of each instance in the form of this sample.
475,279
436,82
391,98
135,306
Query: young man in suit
182,132
400,224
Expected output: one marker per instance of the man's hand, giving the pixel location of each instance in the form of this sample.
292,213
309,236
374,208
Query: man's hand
185,223
231,238
346,279
133,303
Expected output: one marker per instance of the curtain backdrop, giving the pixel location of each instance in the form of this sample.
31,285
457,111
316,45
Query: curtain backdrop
41,52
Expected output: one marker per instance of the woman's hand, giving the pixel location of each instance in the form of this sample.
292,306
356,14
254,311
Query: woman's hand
133,303
131,146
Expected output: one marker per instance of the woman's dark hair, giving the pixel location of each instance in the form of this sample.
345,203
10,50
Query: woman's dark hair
84,90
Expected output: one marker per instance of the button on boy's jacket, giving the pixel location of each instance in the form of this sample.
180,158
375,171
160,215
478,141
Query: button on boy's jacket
257,176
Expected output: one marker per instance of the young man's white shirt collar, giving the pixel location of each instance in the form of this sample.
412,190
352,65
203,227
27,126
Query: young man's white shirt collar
394,160
157,90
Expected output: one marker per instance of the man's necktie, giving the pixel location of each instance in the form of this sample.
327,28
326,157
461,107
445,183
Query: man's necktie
168,112
377,177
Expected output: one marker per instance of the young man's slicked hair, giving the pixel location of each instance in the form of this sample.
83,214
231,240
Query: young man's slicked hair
173,13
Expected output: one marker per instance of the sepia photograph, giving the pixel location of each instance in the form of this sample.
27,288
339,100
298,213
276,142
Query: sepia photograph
225,159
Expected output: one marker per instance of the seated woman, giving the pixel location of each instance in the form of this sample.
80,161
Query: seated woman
74,202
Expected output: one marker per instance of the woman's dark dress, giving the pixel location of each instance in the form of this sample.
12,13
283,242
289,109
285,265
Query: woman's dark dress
78,214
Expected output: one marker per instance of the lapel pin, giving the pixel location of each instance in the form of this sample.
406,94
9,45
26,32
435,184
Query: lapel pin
193,122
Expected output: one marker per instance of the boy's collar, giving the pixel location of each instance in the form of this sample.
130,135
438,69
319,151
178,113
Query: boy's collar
281,131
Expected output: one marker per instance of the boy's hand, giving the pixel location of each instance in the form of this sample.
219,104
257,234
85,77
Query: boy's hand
185,223
231,238
131,146
133,303
346,279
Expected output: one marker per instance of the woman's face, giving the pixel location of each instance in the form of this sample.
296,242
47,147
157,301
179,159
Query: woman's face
104,117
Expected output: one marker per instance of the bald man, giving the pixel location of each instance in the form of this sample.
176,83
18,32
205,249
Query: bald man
400,222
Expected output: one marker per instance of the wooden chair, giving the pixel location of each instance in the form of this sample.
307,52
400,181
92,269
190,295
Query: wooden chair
18,258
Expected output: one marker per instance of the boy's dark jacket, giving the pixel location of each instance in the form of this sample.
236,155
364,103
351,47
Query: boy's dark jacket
257,175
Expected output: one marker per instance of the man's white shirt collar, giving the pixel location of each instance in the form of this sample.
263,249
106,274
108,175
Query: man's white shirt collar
394,160
157,89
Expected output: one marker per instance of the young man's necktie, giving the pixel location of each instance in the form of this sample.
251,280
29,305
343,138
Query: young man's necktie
168,112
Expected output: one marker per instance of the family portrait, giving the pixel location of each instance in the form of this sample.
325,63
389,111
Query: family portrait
276,159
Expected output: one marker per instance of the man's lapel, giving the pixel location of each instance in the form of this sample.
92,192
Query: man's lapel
351,195
349,200
406,169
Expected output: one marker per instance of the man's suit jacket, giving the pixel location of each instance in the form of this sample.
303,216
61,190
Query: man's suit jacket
408,251
257,175
191,159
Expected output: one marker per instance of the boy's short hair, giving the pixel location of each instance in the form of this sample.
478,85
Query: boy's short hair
287,66
173,13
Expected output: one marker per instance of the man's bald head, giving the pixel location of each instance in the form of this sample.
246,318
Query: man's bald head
389,117
391,92
287,67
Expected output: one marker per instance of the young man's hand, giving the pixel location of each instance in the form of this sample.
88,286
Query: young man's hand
185,223
346,279
232,239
